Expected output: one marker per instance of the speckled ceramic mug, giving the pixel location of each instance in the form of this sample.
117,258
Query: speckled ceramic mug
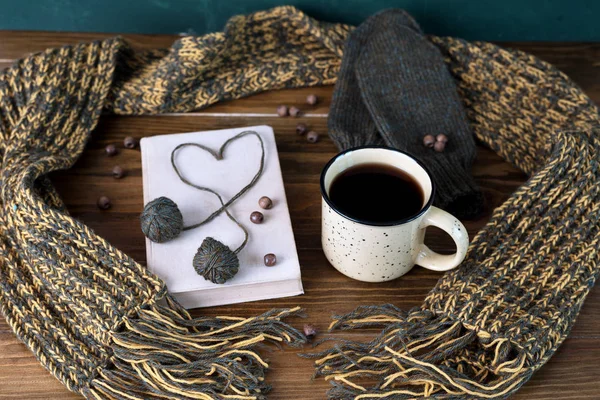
381,252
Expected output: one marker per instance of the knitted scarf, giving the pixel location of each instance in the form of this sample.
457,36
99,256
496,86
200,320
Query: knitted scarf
106,327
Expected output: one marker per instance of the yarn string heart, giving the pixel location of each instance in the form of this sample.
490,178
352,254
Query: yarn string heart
162,221
219,156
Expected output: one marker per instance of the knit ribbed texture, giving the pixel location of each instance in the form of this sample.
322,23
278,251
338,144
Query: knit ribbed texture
107,329
398,81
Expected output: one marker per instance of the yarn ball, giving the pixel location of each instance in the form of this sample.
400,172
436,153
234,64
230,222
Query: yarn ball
215,261
161,220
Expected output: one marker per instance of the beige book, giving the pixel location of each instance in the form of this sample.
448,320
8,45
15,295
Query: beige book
172,261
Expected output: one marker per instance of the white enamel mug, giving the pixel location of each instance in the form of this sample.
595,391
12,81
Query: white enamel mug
381,252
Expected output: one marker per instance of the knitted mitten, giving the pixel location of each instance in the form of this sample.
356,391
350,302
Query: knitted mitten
410,93
349,122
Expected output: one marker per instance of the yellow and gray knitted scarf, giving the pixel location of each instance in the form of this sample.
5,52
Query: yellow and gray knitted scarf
106,327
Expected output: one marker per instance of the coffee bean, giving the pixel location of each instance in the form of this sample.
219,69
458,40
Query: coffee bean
312,137
429,141
270,259
111,150
441,138
301,128
129,142
311,99
294,112
257,217
103,203
118,172
282,111
439,146
265,202
310,331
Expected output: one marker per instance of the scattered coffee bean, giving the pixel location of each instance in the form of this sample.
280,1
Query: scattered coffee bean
103,203
312,137
118,172
310,331
282,111
294,112
270,260
429,141
301,128
129,142
265,202
439,146
311,99
441,138
257,217
111,150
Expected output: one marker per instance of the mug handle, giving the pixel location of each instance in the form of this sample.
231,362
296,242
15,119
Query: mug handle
428,258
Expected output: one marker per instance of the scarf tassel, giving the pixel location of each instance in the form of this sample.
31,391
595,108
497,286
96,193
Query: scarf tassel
164,353
419,354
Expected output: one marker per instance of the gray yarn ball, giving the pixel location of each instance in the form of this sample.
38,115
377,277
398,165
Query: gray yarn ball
215,261
161,220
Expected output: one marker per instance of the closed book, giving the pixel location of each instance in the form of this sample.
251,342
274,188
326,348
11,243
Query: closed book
172,261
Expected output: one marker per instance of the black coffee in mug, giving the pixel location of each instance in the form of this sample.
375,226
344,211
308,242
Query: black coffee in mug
376,193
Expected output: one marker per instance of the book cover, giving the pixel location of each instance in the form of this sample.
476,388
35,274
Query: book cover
172,261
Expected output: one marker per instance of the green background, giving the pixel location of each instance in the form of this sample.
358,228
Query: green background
524,20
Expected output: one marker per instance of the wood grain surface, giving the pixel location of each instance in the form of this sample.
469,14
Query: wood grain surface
570,374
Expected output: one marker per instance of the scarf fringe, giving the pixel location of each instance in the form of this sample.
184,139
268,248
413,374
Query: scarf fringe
419,354
164,353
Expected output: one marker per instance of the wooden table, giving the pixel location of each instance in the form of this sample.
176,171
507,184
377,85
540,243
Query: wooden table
571,374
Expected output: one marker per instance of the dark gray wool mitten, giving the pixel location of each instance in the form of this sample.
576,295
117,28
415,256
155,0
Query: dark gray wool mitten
409,93
349,122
